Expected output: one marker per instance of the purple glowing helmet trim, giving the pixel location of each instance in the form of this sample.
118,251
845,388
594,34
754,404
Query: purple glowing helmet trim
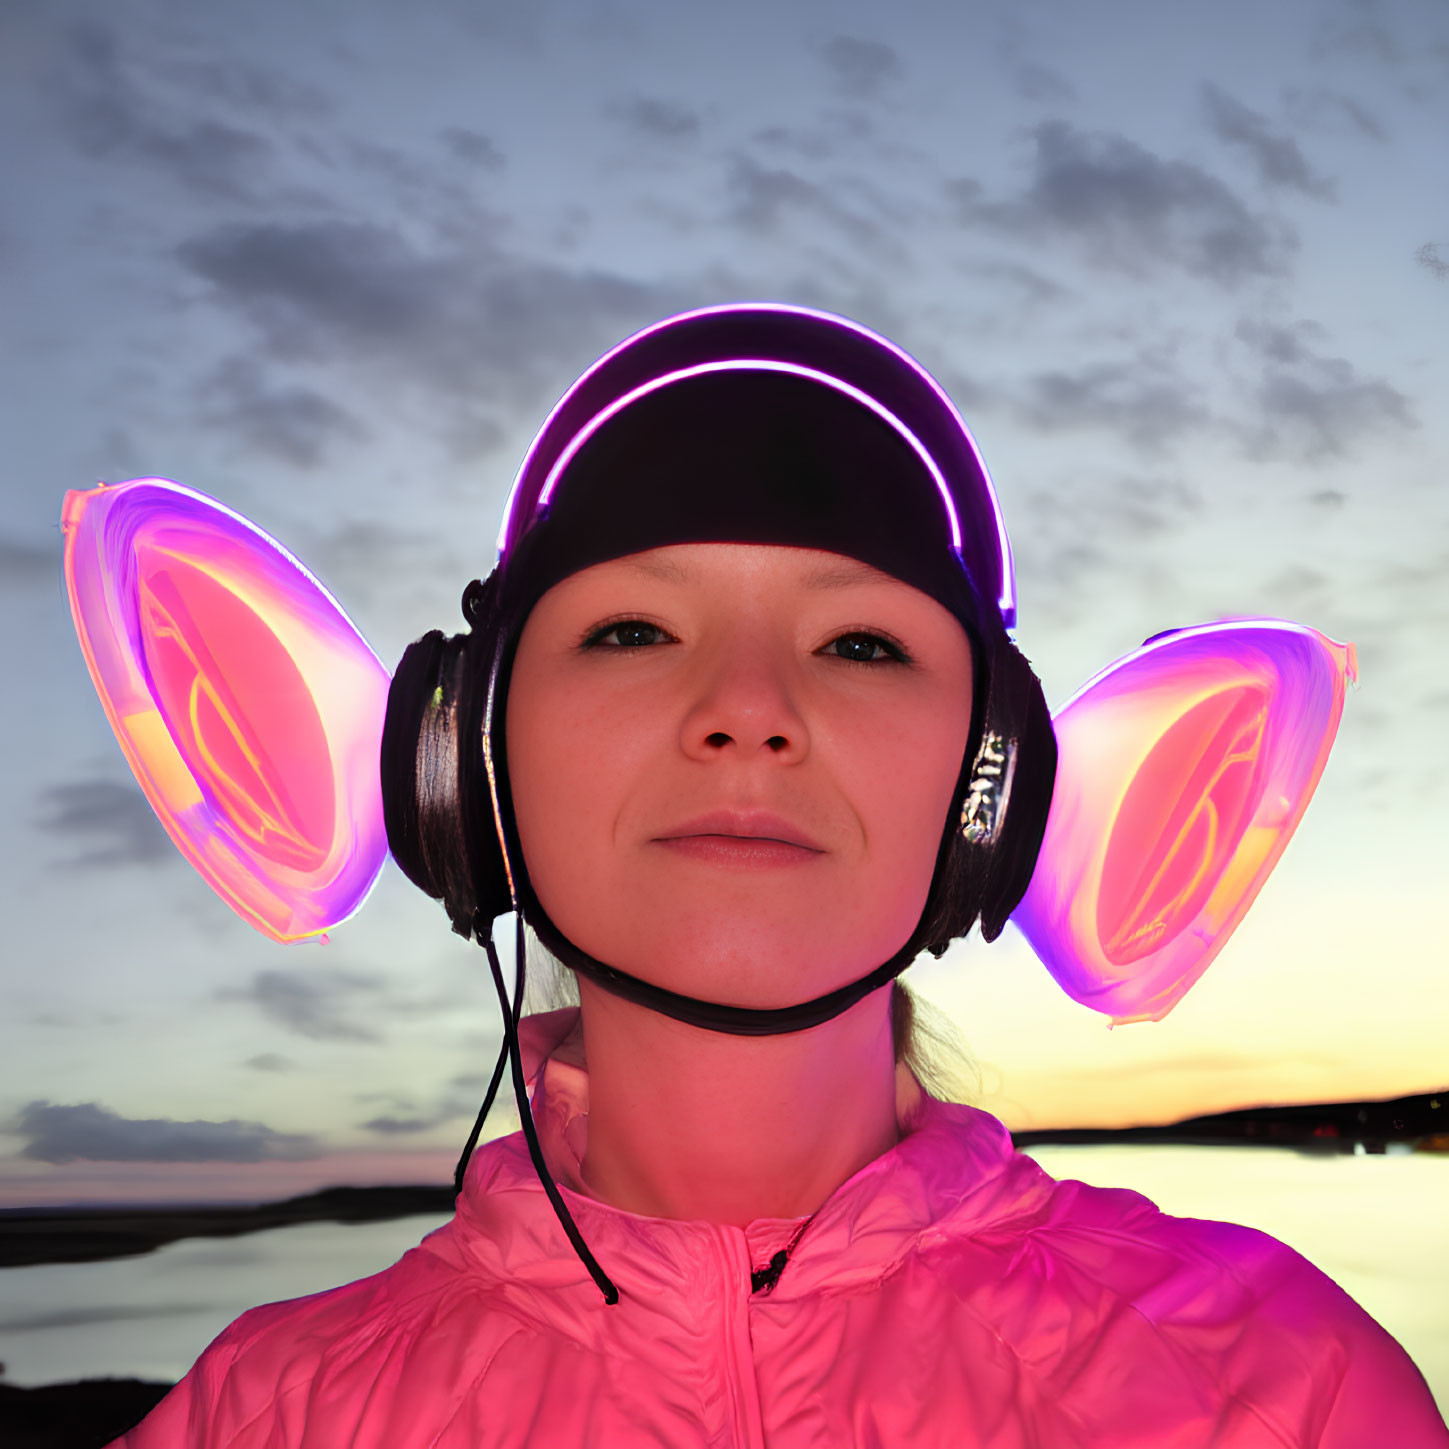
753,364
246,703
1006,601
1185,768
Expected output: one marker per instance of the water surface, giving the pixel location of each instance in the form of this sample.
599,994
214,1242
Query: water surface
1377,1225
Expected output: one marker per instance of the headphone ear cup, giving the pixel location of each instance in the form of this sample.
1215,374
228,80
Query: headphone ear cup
1021,707
420,775
982,875
436,805
492,893
413,681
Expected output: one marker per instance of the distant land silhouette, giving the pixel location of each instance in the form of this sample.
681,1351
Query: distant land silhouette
30,1236
84,1415
1420,1123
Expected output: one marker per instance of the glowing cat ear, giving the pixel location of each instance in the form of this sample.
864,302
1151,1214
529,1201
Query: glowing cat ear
1184,769
245,701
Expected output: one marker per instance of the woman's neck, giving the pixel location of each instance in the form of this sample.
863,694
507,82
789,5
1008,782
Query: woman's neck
699,1125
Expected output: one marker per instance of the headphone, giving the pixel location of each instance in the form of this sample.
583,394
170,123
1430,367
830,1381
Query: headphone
449,820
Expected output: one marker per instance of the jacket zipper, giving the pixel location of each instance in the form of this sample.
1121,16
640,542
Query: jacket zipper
746,1429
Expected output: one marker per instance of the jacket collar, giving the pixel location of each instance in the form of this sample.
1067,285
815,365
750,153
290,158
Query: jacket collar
953,1172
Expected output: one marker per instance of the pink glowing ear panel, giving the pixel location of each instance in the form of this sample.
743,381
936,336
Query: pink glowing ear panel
1184,769
248,706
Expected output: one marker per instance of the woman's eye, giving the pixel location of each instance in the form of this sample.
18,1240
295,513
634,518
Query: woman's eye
862,648
627,634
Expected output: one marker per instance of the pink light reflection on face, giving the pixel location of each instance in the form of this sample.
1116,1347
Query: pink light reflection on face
611,749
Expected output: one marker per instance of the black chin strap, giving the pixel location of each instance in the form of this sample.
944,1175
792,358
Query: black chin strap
713,1015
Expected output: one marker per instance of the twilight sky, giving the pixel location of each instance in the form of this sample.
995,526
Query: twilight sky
1182,268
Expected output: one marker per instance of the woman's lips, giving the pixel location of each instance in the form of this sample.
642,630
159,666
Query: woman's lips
739,850
748,838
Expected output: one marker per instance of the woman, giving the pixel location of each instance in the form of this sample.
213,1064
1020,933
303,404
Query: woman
753,736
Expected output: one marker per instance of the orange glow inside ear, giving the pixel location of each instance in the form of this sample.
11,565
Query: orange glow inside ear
241,714
1192,802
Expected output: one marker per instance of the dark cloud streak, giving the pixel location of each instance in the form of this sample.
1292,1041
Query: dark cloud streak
1310,403
310,1003
766,199
658,119
86,1317
293,422
1042,83
111,115
477,331
1142,401
269,1062
115,818
1428,257
1278,159
25,563
474,147
89,1132
1131,209
861,67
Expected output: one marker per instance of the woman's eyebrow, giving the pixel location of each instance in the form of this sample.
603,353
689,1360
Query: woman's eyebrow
845,573
671,573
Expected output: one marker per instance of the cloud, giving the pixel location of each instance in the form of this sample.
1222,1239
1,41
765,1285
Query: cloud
1088,525
1131,209
26,563
310,1003
474,147
1428,257
109,114
269,1062
838,133
460,1099
765,198
1034,285
92,1133
85,1317
474,331
1309,403
451,1107
662,120
860,67
1356,38
1143,401
114,819
1277,158
1042,83
252,89
1320,109
359,557
400,1126
293,423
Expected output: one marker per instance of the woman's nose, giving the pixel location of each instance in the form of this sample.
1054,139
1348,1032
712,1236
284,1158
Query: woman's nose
743,702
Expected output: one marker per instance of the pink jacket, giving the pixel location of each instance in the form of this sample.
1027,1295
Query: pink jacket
950,1294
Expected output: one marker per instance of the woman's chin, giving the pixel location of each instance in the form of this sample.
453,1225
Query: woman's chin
735,965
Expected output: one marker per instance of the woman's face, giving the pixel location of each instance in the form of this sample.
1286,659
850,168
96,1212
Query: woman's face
731,764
